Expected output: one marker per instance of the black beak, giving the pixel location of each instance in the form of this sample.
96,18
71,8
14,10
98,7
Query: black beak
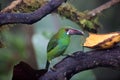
74,32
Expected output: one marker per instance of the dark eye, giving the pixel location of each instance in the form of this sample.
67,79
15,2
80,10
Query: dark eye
66,29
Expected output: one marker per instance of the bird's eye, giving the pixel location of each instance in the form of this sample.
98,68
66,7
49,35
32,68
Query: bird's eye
66,29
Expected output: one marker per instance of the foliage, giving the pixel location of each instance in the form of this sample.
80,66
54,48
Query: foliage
11,53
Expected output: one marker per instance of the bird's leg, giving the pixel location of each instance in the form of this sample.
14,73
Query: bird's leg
48,66
53,69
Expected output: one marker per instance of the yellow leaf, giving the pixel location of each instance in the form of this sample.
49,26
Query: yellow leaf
102,41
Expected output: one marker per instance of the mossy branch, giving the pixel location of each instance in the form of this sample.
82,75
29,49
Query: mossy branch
30,18
87,20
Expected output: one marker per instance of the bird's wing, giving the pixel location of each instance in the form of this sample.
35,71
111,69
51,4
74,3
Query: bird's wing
52,44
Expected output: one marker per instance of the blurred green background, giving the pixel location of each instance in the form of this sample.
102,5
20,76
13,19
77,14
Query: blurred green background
29,42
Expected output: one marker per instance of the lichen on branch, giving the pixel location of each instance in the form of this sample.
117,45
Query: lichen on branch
30,18
86,20
65,10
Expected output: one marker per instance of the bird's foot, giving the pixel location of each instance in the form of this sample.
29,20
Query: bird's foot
53,69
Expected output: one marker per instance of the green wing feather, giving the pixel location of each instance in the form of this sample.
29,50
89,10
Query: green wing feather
52,43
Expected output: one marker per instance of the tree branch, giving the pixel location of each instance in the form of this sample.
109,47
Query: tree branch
103,7
11,6
80,61
30,18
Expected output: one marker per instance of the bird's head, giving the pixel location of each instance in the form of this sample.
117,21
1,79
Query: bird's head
71,31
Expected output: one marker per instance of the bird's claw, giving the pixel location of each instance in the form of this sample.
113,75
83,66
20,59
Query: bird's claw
53,69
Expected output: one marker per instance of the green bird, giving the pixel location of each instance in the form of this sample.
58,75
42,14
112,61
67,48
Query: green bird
59,43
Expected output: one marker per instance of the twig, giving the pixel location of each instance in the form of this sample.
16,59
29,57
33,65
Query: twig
80,61
11,6
103,7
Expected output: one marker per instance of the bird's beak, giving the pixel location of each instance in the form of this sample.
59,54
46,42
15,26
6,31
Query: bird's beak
74,32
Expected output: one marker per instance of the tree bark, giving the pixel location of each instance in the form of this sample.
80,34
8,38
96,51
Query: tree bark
81,61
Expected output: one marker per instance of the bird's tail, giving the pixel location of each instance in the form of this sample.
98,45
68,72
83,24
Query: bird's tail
47,65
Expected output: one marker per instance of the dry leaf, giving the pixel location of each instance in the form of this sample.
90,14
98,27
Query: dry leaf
102,41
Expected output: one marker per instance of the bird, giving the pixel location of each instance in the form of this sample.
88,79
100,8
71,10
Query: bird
59,43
